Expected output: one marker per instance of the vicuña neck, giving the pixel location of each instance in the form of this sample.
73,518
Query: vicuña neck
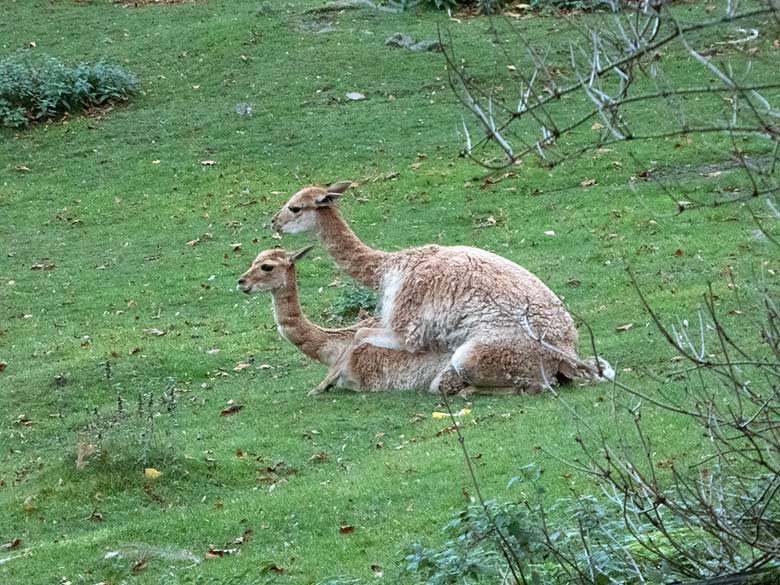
353,256
293,324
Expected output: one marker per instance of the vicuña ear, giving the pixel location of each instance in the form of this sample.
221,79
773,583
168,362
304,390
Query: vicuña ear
297,255
339,187
327,199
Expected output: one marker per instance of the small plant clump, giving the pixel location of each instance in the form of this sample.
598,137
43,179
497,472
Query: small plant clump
34,88
354,302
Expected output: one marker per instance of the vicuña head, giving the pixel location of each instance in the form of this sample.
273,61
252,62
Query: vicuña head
270,271
299,214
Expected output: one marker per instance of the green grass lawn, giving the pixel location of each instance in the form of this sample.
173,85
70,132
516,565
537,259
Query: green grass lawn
112,201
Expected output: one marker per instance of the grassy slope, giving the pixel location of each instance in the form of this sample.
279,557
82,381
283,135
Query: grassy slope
125,266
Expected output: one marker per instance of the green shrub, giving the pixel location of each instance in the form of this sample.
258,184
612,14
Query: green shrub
353,301
36,87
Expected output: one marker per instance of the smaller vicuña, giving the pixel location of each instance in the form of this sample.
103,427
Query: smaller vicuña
355,366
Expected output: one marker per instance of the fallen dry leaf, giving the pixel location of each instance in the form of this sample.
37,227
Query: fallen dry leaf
29,504
219,552
232,409
678,252
24,421
3,366
415,165
208,163
83,450
461,412
320,457
447,430
139,566
346,529
625,327
277,236
272,568
194,242
241,365
596,126
549,233
43,267
588,182
15,543
152,473
155,331
23,169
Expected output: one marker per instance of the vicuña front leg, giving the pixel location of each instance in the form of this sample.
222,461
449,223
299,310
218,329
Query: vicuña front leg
328,382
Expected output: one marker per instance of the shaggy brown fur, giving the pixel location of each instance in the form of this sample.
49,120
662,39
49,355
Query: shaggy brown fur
504,326
360,368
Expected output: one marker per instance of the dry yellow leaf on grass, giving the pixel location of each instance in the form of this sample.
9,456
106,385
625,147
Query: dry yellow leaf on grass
461,412
152,473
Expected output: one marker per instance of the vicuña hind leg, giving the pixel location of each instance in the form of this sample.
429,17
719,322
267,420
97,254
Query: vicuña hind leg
517,362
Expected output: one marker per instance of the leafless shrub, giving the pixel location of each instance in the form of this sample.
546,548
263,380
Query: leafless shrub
607,84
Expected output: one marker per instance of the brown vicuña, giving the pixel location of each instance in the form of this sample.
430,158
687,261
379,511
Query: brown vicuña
503,326
355,366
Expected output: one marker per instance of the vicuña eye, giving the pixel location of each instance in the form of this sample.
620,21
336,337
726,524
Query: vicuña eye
294,209
266,268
